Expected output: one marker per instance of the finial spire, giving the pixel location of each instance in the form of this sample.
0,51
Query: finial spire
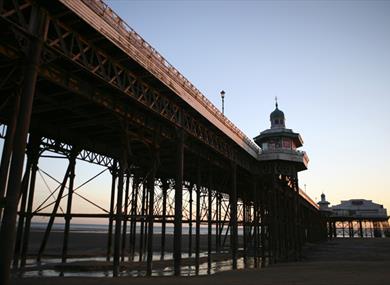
276,102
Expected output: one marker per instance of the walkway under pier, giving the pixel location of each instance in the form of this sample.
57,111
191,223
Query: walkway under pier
339,261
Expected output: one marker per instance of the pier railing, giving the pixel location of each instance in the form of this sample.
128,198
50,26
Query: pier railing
166,71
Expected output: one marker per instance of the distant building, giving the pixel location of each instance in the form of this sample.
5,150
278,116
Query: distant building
363,217
359,208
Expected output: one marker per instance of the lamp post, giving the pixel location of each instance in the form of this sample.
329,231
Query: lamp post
223,102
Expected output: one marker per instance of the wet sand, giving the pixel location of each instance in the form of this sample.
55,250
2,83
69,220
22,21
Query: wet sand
341,261
95,244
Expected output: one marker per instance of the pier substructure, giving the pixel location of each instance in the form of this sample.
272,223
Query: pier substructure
167,162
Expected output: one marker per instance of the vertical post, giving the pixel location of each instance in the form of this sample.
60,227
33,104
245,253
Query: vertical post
190,223
197,233
218,222
256,223
297,220
7,232
68,216
178,204
118,218
22,209
275,216
233,215
151,179
111,215
164,217
265,227
145,215
142,230
141,236
360,229
7,149
34,169
125,217
133,223
209,222
371,228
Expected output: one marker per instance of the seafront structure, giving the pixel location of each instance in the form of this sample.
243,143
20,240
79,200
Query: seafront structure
355,218
77,83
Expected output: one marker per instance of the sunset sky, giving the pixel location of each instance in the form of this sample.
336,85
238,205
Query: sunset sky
328,62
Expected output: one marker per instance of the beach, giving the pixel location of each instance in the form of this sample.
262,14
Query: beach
339,261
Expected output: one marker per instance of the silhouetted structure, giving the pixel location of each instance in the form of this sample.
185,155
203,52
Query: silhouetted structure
355,218
77,81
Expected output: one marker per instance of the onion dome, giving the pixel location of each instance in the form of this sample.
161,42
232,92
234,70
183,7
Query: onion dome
277,118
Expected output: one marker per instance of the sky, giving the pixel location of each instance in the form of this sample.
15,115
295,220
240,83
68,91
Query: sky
328,62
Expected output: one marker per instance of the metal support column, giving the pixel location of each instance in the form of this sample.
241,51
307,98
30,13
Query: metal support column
256,224
178,204
142,227
68,215
264,229
209,221
164,217
7,232
360,229
118,218
218,222
114,173
197,218
22,209
125,217
190,222
233,215
35,152
133,222
151,179
7,150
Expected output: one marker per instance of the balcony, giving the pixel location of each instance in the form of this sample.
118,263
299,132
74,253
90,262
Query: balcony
286,155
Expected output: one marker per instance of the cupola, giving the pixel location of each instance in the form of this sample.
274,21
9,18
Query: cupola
277,118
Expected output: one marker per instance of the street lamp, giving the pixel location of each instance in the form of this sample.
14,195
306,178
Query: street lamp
223,101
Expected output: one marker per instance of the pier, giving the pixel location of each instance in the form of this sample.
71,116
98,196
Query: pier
78,84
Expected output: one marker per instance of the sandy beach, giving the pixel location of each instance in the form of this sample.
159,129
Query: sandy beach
340,261
95,244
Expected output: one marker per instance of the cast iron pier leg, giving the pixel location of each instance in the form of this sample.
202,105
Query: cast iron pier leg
233,216
118,218
34,168
164,217
209,222
7,149
111,217
151,179
197,230
190,222
178,205
68,216
125,217
7,232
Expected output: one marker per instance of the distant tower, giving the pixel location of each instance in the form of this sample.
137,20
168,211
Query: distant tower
324,205
280,145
